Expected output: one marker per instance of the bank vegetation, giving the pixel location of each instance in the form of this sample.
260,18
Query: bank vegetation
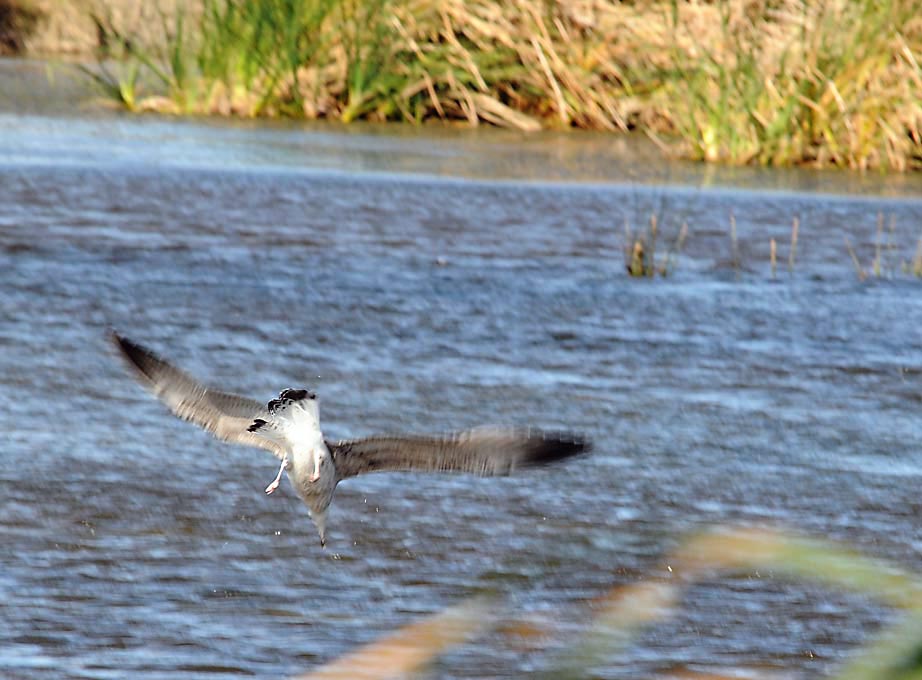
772,82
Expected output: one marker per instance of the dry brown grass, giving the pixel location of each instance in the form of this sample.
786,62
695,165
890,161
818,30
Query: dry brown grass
18,20
742,81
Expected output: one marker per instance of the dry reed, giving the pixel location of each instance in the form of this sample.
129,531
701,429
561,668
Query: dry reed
764,81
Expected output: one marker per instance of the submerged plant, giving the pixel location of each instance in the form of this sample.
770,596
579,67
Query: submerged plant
792,250
916,267
640,250
882,263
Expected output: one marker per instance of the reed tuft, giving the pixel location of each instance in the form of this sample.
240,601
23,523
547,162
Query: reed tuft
640,250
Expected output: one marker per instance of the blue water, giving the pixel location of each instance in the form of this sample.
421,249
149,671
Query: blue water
427,281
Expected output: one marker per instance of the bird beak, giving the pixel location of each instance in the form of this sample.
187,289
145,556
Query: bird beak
320,521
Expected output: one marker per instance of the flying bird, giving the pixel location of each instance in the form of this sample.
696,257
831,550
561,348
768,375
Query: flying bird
289,428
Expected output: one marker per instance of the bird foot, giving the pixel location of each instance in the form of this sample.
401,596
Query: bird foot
278,478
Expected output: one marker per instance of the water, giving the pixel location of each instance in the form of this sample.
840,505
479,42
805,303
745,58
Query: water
431,281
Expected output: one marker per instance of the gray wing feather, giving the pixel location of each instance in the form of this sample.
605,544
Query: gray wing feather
482,451
227,416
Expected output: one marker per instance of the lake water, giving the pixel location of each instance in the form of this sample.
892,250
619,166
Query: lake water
428,280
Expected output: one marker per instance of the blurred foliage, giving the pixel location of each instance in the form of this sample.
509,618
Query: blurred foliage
625,611
18,19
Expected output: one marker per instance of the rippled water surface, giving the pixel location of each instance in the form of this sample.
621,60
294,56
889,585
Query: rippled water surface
430,281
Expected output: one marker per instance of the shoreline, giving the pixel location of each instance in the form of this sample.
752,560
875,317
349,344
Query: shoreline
723,83
589,160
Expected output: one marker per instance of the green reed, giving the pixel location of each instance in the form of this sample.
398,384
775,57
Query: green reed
827,83
773,82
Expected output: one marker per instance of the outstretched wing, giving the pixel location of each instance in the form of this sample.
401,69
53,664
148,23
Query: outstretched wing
227,416
482,451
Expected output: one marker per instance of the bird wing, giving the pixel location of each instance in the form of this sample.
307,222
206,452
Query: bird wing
482,451
227,416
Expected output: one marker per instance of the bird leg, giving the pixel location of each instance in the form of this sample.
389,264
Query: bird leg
278,478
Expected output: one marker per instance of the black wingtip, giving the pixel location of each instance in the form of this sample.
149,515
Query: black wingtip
553,446
140,358
124,345
119,340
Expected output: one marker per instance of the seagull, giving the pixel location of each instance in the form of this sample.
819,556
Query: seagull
289,428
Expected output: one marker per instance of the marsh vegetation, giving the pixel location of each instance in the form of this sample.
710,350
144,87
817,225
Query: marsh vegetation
773,82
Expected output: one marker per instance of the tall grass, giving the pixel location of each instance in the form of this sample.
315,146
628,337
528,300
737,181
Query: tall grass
832,82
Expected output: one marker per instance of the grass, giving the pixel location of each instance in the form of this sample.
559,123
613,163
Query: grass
773,82
825,83
626,611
